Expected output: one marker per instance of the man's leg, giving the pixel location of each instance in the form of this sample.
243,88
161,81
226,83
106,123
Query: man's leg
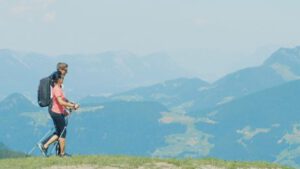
44,147
50,141
47,139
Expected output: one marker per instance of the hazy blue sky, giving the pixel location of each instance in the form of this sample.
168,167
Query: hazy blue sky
208,37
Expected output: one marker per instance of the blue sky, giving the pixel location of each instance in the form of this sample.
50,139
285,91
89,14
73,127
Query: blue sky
208,37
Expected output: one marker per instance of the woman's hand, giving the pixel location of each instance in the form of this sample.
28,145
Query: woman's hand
76,106
71,105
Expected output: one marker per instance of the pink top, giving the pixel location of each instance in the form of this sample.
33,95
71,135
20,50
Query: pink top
56,107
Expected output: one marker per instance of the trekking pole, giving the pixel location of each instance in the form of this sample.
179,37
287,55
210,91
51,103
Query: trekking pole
33,148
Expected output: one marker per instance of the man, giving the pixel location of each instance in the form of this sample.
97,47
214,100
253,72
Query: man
63,68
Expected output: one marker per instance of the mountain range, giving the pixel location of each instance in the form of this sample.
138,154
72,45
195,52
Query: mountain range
281,67
251,114
90,74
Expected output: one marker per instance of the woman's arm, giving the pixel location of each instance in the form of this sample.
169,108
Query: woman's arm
64,103
67,104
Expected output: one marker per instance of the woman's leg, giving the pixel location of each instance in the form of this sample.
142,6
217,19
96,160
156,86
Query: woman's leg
62,143
55,117
59,123
62,131
51,139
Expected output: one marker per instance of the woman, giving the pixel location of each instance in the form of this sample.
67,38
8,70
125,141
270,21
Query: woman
58,113
63,68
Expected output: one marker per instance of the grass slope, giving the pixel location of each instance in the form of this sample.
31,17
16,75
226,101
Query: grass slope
125,162
7,153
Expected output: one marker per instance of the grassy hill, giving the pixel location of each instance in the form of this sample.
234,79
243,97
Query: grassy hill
6,153
125,162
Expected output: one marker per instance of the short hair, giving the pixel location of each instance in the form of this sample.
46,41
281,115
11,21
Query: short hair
61,65
56,76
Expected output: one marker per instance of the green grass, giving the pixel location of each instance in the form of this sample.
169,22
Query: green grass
6,153
128,162
10,154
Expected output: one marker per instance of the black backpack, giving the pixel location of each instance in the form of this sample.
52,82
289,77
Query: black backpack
44,91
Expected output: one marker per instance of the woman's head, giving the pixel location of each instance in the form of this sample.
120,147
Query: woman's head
58,78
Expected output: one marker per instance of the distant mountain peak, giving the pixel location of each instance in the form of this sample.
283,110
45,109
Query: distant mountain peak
15,98
186,80
4,50
118,53
5,53
16,102
286,56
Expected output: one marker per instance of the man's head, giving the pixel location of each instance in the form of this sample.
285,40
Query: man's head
62,67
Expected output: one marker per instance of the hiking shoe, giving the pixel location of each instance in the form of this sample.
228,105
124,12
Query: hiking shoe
43,149
65,155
